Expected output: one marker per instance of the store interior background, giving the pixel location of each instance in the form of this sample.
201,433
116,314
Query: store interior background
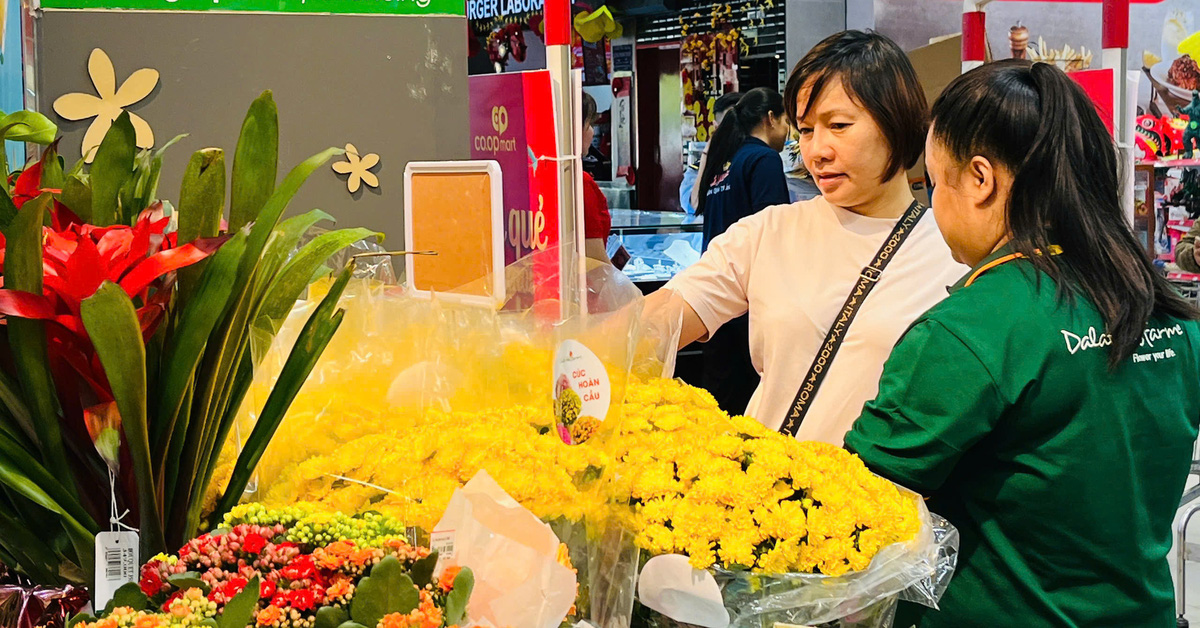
638,157
639,154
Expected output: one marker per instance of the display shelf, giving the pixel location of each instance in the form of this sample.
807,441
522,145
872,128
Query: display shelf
660,244
1172,163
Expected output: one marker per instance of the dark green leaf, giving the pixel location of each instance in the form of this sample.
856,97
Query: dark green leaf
210,623
387,590
456,600
77,196
255,163
268,218
282,244
351,624
128,595
201,203
113,327
422,570
202,195
188,580
27,126
52,168
10,397
295,275
8,211
200,316
27,338
313,338
239,612
112,167
37,558
19,462
331,617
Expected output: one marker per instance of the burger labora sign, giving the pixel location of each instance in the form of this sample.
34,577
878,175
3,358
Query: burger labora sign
486,10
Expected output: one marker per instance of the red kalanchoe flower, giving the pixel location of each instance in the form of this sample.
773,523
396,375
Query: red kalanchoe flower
302,599
301,568
280,600
151,581
254,543
267,590
234,586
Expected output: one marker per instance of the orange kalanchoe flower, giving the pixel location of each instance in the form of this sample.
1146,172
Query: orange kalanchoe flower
338,587
362,557
269,616
448,576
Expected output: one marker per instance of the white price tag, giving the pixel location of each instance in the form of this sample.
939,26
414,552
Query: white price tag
116,564
442,542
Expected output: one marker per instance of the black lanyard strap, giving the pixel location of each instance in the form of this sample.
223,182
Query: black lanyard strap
837,332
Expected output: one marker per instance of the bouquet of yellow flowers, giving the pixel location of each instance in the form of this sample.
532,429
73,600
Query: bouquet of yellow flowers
729,492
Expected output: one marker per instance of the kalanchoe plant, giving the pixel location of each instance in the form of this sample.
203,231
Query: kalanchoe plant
125,351
297,568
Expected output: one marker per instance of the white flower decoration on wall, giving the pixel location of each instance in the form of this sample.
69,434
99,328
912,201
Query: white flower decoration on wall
108,103
359,168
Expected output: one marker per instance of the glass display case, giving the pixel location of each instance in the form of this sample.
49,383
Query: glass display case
660,244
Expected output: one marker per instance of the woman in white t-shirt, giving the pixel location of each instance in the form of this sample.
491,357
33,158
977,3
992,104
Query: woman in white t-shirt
862,118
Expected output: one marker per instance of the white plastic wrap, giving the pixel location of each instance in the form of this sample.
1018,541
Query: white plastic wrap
917,571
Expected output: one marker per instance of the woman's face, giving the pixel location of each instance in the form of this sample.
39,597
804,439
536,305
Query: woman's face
968,203
842,146
589,134
778,130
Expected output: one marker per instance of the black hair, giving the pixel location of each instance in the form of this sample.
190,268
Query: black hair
878,76
726,102
1035,122
749,111
589,110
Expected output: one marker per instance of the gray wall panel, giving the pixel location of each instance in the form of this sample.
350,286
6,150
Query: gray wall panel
396,86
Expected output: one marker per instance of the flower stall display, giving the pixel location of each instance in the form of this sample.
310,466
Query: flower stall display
295,567
130,323
765,516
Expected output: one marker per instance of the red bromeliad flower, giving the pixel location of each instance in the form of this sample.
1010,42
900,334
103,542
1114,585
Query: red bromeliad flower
77,258
28,185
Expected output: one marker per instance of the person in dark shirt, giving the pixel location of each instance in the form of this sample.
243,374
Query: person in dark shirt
744,172
742,175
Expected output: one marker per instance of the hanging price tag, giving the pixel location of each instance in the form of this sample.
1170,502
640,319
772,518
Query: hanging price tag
116,564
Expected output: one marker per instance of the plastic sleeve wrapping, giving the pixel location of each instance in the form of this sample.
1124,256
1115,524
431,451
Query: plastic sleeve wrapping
918,571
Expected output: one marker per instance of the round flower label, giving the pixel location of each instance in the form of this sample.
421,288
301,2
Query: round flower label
582,392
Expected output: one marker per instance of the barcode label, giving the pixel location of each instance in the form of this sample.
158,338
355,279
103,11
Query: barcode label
116,564
442,542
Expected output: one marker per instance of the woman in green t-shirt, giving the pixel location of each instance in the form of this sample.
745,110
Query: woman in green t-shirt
1048,408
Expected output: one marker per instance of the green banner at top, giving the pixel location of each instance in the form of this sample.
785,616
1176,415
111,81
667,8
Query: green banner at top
336,7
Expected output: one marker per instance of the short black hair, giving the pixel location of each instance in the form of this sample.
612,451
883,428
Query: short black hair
878,76
726,102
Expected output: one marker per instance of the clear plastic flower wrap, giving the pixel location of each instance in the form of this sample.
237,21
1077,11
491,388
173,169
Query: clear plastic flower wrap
415,395
917,571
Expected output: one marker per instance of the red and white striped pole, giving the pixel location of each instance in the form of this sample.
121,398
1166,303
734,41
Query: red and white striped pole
568,164
974,34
